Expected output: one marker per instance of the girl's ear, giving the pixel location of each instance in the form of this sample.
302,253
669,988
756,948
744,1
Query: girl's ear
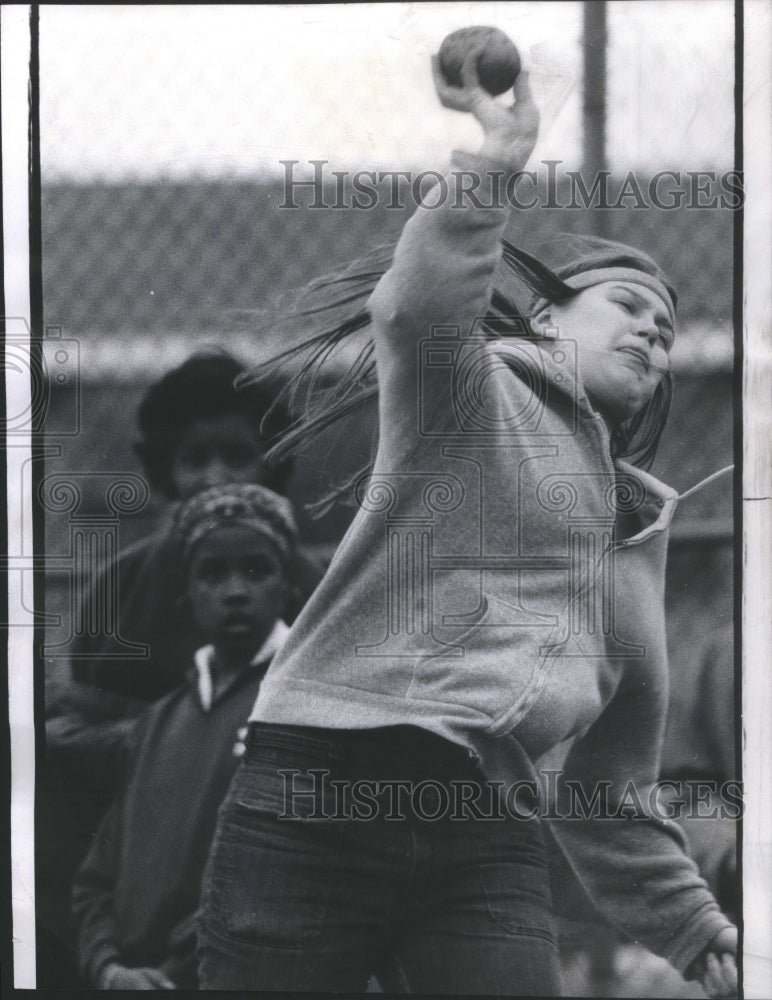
541,320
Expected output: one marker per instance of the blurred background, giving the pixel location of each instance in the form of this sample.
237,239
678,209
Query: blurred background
162,132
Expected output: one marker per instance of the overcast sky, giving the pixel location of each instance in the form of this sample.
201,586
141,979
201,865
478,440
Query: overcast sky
179,91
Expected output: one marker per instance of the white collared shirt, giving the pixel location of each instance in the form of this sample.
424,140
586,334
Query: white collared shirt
203,658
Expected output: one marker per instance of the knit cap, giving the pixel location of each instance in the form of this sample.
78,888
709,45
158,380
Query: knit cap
244,504
571,262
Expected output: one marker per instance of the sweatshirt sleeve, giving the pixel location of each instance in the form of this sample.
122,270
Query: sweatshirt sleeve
441,275
630,858
92,899
89,731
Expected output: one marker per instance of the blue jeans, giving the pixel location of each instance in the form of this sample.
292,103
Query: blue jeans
324,872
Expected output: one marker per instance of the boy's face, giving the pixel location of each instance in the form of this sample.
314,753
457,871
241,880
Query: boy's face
214,452
238,589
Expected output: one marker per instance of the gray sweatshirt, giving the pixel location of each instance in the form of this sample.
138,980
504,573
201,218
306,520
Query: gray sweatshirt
486,591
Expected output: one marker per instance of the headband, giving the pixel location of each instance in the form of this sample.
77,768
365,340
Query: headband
242,504
598,276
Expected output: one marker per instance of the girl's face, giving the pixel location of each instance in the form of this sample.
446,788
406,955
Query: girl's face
623,337
217,451
238,589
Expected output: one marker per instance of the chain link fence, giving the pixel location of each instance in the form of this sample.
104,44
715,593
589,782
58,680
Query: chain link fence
142,275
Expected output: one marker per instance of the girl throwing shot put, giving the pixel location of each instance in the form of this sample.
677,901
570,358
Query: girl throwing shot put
487,651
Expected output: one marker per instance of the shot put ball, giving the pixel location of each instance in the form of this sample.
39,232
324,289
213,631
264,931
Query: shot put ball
497,66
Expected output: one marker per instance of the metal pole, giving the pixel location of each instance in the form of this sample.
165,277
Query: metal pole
594,43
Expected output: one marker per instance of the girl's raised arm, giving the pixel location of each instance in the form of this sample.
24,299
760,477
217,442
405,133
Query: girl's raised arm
444,264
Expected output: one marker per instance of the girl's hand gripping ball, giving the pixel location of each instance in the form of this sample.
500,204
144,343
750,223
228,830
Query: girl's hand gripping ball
497,65
510,132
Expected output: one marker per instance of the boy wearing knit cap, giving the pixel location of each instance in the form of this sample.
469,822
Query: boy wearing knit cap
137,891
